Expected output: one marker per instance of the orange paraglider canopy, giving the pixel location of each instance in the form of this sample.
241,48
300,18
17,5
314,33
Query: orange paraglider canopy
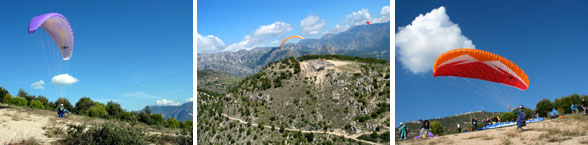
290,38
479,64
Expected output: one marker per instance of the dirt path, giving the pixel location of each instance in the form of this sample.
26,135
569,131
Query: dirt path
353,137
21,125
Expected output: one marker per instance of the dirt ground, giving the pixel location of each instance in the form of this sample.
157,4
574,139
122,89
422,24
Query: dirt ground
572,129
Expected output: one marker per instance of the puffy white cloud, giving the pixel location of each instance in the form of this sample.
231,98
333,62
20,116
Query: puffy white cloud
209,44
360,18
384,15
428,36
166,102
190,100
312,25
63,80
261,35
38,85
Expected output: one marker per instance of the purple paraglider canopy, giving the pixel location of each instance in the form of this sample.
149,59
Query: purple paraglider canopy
57,26
429,135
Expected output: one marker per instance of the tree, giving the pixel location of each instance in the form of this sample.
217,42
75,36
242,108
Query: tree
130,116
37,104
544,107
187,125
157,119
309,136
507,116
436,128
65,103
3,92
24,94
147,110
98,110
173,123
43,100
7,99
20,101
563,104
144,117
83,105
114,110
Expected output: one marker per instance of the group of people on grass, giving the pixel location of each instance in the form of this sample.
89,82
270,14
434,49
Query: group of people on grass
425,125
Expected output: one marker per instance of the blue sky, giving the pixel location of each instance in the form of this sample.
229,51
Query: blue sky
546,39
223,23
132,52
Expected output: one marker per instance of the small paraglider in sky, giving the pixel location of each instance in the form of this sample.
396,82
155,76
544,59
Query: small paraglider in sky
61,34
368,22
300,37
57,26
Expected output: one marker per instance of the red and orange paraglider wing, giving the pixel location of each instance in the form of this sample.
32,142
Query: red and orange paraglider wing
368,22
290,38
479,64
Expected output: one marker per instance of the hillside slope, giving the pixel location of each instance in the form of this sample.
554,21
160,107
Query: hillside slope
332,98
571,129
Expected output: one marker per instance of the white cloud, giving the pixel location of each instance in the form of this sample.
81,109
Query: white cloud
312,25
384,15
428,36
360,18
190,100
38,85
166,102
263,34
209,44
63,80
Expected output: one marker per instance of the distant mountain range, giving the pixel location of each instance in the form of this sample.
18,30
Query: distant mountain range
362,40
181,113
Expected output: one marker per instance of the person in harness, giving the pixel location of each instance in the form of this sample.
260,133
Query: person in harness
61,111
402,131
520,118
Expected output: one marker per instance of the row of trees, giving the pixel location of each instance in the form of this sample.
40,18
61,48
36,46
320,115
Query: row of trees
561,105
87,107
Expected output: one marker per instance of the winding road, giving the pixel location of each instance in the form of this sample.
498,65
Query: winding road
353,137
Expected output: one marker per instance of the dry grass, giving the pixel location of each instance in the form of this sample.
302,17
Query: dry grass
481,136
29,141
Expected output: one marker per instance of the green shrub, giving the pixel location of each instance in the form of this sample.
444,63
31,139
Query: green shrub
20,101
107,133
544,106
173,123
37,104
7,99
98,110
436,128
507,116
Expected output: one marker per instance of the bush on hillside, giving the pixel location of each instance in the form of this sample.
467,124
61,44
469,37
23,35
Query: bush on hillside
107,133
37,104
20,101
507,116
7,99
436,128
544,107
98,110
